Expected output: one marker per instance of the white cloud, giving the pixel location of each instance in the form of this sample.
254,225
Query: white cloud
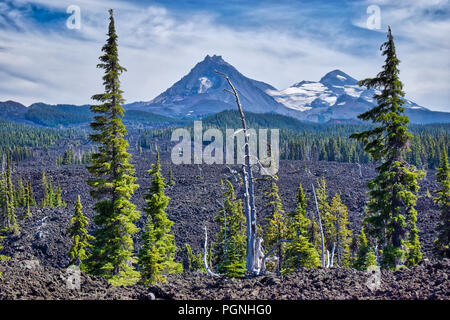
158,48
423,46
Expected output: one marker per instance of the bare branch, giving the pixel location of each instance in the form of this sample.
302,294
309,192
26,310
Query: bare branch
263,263
320,225
205,256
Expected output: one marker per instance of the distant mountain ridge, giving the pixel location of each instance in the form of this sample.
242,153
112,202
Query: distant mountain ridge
46,115
335,98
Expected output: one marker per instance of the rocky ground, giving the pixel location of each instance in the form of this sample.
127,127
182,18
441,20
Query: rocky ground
26,279
195,200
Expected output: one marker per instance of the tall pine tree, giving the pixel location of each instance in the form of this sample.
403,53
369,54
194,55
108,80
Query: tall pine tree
113,183
442,243
392,215
157,255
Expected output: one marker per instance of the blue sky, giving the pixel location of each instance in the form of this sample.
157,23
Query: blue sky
278,42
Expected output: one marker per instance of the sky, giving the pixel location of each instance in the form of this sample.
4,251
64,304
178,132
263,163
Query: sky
42,59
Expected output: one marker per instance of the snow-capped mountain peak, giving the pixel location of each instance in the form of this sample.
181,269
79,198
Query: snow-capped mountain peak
201,92
336,95
337,78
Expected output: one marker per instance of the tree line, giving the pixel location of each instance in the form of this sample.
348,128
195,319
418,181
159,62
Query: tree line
20,195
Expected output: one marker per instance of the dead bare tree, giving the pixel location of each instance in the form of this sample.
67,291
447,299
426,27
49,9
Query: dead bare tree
247,177
360,171
200,171
320,226
205,256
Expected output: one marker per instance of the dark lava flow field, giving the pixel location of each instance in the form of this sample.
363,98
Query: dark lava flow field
194,203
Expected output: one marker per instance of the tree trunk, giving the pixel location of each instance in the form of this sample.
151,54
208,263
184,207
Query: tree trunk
321,229
250,210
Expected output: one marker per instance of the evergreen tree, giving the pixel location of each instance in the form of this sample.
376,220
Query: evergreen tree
27,200
44,201
392,215
58,198
343,234
328,219
442,243
366,256
277,228
9,215
195,261
20,193
113,183
2,257
300,222
80,237
48,198
51,194
3,200
300,252
157,255
171,182
31,196
231,240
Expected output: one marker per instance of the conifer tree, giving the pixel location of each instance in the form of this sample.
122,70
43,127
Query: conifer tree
392,215
58,198
44,201
171,182
231,240
80,238
31,196
195,261
366,256
27,200
3,201
51,194
157,255
9,215
113,183
343,234
300,252
277,228
48,198
300,222
2,257
442,243
20,193
328,219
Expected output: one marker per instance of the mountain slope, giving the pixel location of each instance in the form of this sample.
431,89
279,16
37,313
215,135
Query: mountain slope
201,92
336,97
11,110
